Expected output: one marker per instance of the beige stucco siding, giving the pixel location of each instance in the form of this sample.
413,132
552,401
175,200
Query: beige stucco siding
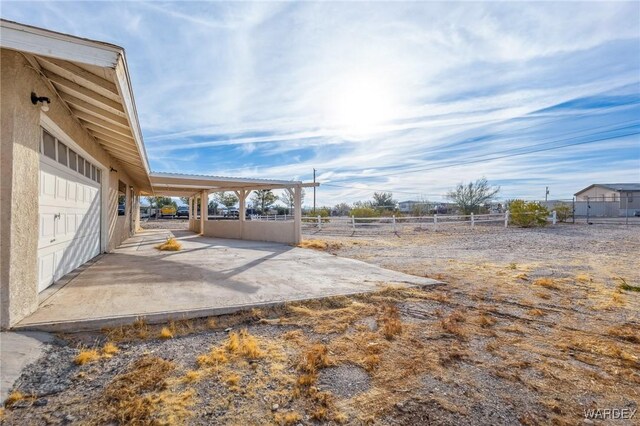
20,135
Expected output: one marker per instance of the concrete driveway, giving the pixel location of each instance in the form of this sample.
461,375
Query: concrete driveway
208,276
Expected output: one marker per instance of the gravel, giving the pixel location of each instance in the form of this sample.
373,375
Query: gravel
344,380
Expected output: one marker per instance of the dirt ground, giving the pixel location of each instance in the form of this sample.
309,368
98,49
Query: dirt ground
533,326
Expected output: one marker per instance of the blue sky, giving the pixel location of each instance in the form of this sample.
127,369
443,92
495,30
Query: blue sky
408,97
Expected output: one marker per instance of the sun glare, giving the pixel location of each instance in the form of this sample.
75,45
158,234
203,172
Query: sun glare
360,105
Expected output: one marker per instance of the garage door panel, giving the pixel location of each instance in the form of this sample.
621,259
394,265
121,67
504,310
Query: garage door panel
46,265
61,194
47,184
69,221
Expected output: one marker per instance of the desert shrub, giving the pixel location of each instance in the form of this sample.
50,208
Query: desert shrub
527,214
563,211
365,212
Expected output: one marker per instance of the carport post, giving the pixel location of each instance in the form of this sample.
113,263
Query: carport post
473,221
297,213
203,212
190,208
242,196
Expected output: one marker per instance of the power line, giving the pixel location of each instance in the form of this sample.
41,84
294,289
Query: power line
476,160
496,158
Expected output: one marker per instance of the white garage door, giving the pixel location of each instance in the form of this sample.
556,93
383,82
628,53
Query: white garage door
69,229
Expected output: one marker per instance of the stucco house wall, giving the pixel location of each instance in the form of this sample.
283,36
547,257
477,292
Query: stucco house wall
20,160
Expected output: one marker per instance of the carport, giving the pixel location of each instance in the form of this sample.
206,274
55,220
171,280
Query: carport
198,188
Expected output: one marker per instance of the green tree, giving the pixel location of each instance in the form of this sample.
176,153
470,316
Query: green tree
263,199
384,200
227,199
469,197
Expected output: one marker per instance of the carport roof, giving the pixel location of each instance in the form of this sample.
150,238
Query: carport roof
178,184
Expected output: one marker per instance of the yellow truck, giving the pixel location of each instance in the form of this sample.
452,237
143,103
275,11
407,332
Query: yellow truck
168,211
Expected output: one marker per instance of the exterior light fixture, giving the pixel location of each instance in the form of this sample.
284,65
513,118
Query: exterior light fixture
43,99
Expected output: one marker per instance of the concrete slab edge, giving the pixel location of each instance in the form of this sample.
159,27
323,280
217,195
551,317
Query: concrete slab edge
96,324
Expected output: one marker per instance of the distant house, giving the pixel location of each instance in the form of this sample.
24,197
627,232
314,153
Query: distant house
407,206
608,199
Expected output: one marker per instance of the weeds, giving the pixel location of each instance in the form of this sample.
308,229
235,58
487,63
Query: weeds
166,333
287,419
14,397
140,395
546,283
86,356
244,344
170,245
627,287
391,323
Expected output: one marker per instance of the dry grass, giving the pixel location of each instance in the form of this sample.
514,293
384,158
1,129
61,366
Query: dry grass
323,245
14,397
314,358
391,325
314,244
453,324
244,344
192,376
141,395
535,312
109,349
546,282
86,356
170,245
166,333
287,419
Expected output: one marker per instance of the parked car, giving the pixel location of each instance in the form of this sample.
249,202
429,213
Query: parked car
183,211
120,209
637,214
231,213
168,211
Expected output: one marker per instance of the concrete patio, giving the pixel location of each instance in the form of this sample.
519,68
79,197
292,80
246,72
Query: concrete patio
209,276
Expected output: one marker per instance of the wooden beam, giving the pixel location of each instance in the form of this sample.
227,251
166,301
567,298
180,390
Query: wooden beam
109,133
81,76
125,131
88,95
84,106
124,149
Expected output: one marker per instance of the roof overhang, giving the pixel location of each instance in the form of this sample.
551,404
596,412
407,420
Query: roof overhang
91,79
174,184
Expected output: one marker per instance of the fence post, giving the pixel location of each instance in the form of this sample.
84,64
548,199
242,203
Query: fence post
554,216
394,224
473,221
506,218
353,223
435,222
319,223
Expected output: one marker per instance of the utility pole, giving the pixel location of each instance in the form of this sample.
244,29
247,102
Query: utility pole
314,191
546,194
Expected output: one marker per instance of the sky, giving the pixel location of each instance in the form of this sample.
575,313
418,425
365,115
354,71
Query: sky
411,98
